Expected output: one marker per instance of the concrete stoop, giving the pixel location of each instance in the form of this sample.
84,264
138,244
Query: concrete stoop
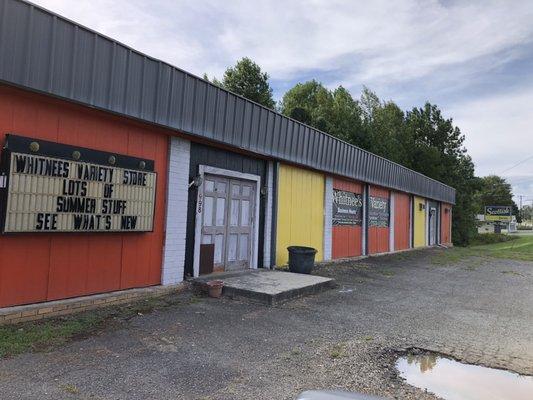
267,286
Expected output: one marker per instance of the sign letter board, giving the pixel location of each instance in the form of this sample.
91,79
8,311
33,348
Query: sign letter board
378,211
51,187
498,213
347,208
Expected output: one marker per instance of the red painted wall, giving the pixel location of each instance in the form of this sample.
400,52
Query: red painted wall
446,221
347,240
36,268
378,238
402,220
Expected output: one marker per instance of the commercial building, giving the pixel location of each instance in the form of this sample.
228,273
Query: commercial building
121,171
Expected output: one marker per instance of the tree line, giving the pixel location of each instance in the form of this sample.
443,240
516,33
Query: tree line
421,139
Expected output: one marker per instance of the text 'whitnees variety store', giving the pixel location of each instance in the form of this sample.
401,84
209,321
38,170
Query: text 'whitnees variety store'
120,171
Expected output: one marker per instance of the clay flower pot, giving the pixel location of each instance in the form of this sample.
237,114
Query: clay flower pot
215,288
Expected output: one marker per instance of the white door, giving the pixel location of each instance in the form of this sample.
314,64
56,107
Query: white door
228,221
432,226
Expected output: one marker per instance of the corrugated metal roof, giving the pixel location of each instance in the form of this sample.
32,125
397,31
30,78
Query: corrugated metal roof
45,52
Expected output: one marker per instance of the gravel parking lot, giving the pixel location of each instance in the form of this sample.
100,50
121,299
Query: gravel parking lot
476,309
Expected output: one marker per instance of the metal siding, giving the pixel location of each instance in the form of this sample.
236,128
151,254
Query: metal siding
378,237
402,221
76,265
445,225
347,240
298,225
419,222
45,52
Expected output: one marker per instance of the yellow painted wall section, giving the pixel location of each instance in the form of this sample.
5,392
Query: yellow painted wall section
300,211
419,224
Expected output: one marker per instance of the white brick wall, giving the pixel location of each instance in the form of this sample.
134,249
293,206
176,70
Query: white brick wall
268,215
176,223
365,223
391,222
328,215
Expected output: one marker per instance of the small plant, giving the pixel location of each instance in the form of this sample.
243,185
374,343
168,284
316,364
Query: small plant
70,389
338,351
295,352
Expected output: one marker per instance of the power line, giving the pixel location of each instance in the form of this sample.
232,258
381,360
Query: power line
517,164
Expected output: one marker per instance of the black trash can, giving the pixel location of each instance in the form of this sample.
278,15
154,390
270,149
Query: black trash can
301,259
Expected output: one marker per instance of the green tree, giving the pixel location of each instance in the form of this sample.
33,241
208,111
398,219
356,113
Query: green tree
334,112
384,128
310,103
421,139
248,80
494,190
438,151
527,213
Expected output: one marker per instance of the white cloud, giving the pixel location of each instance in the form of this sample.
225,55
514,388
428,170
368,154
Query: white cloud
499,135
499,132
384,41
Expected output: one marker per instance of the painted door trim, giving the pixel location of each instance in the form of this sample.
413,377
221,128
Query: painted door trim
364,239
411,213
426,204
205,169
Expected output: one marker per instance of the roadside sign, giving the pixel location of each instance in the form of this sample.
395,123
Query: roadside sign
498,213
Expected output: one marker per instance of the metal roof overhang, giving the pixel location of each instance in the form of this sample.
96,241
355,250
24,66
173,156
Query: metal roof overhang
44,52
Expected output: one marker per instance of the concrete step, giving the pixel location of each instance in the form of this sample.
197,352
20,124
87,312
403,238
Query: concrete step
267,286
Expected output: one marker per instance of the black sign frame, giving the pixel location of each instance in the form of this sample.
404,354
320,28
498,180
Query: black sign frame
22,144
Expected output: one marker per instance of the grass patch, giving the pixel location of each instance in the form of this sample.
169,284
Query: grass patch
512,273
51,333
512,247
70,389
338,351
491,238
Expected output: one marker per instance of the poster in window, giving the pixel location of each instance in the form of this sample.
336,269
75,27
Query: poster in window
378,211
347,208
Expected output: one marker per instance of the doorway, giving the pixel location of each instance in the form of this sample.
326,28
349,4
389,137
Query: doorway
433,217
228,218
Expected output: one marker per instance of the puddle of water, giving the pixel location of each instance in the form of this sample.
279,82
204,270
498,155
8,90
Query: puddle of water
453,380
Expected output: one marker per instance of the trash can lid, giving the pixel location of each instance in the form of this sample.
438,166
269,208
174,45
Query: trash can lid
301,249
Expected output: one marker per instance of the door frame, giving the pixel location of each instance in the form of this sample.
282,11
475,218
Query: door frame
433,206
226,173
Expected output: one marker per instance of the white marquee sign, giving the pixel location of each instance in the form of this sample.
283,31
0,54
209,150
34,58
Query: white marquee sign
52,194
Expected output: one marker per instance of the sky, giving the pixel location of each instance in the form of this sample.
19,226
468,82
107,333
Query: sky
471,58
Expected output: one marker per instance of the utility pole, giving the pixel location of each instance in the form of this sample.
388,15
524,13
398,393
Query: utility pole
520,209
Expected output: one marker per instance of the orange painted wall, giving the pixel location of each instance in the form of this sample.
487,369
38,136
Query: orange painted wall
402,220
347,240
378,238
36,268
445,226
